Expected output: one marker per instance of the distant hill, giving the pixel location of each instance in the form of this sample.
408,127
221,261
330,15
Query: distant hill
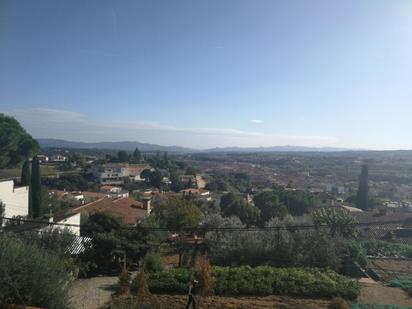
277,149
127,145
59,143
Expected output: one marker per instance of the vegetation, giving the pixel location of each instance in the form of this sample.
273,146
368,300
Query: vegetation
298,203
338,221
124,282
405,284
36,205
232,204
262,280
16,145
282,246
363,189
114,242
25,174
204,271
32,276
2,210
71,182
176,214
152,262
339,303
269,205
141,286
387,249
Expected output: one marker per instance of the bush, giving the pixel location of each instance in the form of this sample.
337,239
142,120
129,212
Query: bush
32,276
356,253
388,249
141,286
204,271
171,280
262,280
152,262
405,284
124,282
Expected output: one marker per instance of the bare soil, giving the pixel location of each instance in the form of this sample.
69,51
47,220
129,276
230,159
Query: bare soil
215,302
376,293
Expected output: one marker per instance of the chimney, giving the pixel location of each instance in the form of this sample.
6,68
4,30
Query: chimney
147,204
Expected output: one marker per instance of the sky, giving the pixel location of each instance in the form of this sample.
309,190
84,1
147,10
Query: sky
210,73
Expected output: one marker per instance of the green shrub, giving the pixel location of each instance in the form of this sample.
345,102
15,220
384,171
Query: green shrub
152,262
32,276
356,253
386,248
171,280
262,280
405,284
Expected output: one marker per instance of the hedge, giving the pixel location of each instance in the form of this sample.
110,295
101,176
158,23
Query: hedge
262,280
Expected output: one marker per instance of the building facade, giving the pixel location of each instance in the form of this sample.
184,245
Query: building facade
15,200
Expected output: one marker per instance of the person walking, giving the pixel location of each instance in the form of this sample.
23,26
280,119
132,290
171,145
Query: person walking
192,291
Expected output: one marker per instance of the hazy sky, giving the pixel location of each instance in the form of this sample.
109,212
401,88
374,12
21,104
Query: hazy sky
206,73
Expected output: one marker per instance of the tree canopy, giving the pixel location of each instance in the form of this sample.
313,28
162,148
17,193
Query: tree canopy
16,145
270,206
232,204
178,213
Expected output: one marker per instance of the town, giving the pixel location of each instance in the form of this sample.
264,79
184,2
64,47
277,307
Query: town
219,154
150,221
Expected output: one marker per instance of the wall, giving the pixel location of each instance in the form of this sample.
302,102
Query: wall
75,219
16,199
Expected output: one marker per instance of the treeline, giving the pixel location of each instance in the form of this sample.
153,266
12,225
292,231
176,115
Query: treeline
266,205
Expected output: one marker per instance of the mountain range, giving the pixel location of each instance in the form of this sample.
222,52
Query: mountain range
146,147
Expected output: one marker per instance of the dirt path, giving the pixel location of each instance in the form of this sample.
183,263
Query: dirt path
215,302
93,292
376,293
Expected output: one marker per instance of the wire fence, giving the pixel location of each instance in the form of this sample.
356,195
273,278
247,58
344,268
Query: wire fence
95,291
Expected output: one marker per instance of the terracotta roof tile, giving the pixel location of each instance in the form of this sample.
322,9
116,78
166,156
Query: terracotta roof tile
129,210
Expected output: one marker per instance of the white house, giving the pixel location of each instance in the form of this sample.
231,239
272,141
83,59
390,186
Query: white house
14,199
58,158
66,218
115,173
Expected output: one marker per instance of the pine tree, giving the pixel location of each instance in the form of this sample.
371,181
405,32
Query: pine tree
25,174
363,190
35,190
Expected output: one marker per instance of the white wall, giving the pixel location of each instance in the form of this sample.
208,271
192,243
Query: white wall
15,199
75,219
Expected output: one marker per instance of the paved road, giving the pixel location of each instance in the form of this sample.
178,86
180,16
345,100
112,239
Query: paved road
93,292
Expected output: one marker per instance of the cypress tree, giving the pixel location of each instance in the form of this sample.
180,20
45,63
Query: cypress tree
363,189
25,174
165,158
137,156
35,190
